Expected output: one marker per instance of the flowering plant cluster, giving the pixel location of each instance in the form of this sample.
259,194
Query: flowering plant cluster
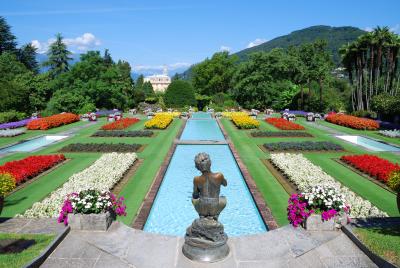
303,146
372,165
274,134
159,121
173,114
230,114
12,132
297,209
101,147
89,117
394,181
102,175
7,183
245,121
31,166
390,133
91,202
304,174
120,124
122,133
15,124
52,121
325,198
283,124
352,121
295,112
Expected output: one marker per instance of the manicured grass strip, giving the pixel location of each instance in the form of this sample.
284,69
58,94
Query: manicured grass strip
271,190
24,257
137,187
384,242
101,147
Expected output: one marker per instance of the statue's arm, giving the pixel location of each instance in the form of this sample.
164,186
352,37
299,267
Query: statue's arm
223,180
196,192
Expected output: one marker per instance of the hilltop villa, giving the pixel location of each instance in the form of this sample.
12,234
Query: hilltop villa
160,82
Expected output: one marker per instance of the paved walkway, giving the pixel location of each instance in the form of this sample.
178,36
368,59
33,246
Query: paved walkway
122,246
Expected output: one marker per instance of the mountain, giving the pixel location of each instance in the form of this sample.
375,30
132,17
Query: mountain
335,36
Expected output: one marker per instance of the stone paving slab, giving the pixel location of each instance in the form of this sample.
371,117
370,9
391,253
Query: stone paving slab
30,226
122,246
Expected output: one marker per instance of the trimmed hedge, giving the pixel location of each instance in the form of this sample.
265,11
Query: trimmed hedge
303,146
179,94
101,147
121,133
280,134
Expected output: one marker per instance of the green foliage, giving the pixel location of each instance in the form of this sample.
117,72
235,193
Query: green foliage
394,181
87,108
11,116
7,183
202,101
7,39
386,104
67,101
148,89
286,97
214,75
101,147
179,93
27,55
58,56
151,100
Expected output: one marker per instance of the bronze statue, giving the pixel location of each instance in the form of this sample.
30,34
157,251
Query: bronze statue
205,239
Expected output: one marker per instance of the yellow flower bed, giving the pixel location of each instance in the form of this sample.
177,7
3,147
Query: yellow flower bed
245,121
159,121
174,114
230,114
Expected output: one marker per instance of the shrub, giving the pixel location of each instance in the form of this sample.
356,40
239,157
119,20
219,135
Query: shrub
353,121
159,121
280,134
394,181
179,93
7,183
120,133
303,146
87,108
52,121
120,124
101,147
11,116
283,124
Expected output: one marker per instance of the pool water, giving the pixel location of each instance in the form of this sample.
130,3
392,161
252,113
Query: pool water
201,115
370,144
205,129
172,211
33,144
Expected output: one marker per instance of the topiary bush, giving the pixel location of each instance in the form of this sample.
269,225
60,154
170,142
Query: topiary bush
180,93
7,183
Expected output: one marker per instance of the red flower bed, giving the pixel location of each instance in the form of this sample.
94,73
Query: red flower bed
372,165
353,121
30,166
120,124
52,121
284,124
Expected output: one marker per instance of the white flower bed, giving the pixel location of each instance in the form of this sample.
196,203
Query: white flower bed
102,175
305,175
12,132
390,133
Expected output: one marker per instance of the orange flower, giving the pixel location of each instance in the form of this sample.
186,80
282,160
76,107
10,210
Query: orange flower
46,123
353,121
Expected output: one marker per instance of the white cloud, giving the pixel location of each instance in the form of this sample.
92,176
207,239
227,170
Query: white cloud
368,29
225,48
256,42
81,43
172,66
395,29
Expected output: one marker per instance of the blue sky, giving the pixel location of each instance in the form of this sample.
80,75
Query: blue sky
150,34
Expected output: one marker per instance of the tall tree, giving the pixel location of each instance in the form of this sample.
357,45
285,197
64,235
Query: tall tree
7,39
148,89
108,61
59,56
27,55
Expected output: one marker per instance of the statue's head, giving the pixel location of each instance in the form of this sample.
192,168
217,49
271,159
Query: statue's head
203,162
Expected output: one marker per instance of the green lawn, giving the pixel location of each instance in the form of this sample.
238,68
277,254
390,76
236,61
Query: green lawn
14,260
384,242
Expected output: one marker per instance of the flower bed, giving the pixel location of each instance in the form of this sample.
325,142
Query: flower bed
230,114
277,134
353,121
159,121
244,121
120,124
52,121
173,114
304,174
12,132
101,147
283,124
102,175
390,133
30,166
295,112
372,165
303,146
120,133
16,124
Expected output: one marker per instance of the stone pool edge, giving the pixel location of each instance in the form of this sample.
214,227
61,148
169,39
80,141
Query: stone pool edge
261,205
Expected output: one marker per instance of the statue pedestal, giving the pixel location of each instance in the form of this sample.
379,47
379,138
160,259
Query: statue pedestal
205,241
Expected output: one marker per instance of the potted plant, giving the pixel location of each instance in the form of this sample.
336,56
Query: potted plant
91,210
394,183
7,184
322,208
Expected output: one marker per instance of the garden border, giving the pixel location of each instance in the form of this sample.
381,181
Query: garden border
262,148
289,187
280,137
261,205
127,177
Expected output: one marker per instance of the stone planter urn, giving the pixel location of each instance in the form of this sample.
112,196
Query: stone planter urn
315,222
90,222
